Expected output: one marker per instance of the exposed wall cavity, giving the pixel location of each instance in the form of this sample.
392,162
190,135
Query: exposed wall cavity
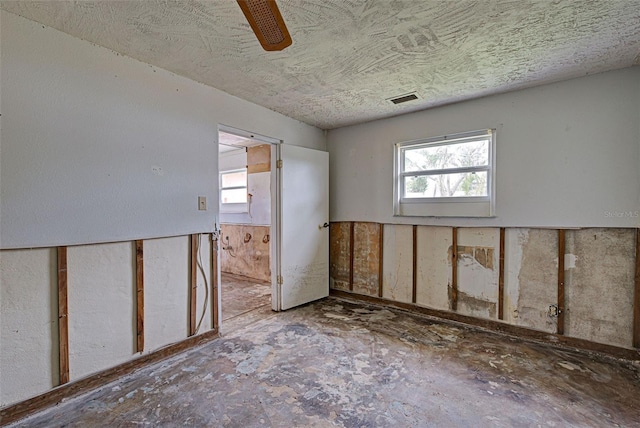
166,264
599,289
434,266
397,267
101,286
478,271
366,258
339,255
599,274
29,323
531,277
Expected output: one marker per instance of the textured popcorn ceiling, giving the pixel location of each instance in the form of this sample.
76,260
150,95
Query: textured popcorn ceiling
348,56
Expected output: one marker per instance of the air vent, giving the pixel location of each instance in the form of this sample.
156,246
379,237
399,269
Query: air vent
404,98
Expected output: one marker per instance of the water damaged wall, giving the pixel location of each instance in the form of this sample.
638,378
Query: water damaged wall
106,305
512,275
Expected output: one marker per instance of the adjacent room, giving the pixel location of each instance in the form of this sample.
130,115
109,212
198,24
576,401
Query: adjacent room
293,213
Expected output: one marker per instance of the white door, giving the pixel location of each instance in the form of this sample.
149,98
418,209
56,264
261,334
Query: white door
304,249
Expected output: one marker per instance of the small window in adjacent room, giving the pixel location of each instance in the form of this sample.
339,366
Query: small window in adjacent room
233,190
448,176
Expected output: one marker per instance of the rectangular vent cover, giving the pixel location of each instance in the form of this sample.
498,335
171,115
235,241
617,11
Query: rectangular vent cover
404,98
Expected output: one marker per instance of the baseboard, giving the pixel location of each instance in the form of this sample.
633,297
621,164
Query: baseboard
30,406
500,327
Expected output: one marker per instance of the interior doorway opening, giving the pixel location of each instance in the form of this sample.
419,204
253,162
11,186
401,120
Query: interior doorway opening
248,260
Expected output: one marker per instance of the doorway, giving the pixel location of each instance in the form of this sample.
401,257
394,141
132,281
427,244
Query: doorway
246,206
275,197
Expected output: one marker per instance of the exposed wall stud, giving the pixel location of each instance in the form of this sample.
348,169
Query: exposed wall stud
63,319
454,270
139,297
501,277
351,248
193,283
636,296
380,261
561,252
414,291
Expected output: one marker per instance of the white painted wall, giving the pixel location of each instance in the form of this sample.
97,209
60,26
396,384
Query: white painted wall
97,147
567,154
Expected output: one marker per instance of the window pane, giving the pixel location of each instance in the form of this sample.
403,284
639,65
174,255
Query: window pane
446,185
459,155
233,196
234,179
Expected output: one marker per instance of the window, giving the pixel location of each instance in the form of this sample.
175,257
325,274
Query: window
233,190
449,176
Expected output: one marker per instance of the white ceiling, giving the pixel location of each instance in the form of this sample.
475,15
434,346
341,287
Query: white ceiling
230,142
349,56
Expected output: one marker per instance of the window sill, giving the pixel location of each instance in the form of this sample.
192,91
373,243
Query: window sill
462,208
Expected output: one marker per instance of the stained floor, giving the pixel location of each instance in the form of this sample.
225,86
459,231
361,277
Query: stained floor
241,295
337,363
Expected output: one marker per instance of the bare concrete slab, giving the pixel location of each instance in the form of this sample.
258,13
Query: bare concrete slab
336,363
241,295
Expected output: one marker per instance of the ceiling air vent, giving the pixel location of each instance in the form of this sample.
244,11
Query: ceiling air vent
404,98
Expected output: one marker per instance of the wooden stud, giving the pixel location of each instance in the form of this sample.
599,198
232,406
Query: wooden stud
139,297
561,251
501,277
636,296
454,270
351,252
380,260
214,280
193,283
63,316
414,290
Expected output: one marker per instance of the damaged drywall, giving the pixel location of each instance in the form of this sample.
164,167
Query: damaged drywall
599,275
245,251
531,271
478,271
434,266
397,283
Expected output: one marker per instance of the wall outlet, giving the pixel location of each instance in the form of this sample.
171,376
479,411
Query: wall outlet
202,203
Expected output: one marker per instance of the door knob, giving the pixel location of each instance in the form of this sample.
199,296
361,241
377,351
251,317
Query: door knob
325,225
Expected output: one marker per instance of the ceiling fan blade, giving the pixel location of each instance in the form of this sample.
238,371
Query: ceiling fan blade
266,21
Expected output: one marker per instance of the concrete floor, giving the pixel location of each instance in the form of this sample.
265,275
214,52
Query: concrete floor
241,295
336,363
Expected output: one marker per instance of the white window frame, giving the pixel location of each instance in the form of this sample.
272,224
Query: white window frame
453,206
241,207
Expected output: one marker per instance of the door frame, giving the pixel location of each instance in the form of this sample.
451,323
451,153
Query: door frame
276,213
